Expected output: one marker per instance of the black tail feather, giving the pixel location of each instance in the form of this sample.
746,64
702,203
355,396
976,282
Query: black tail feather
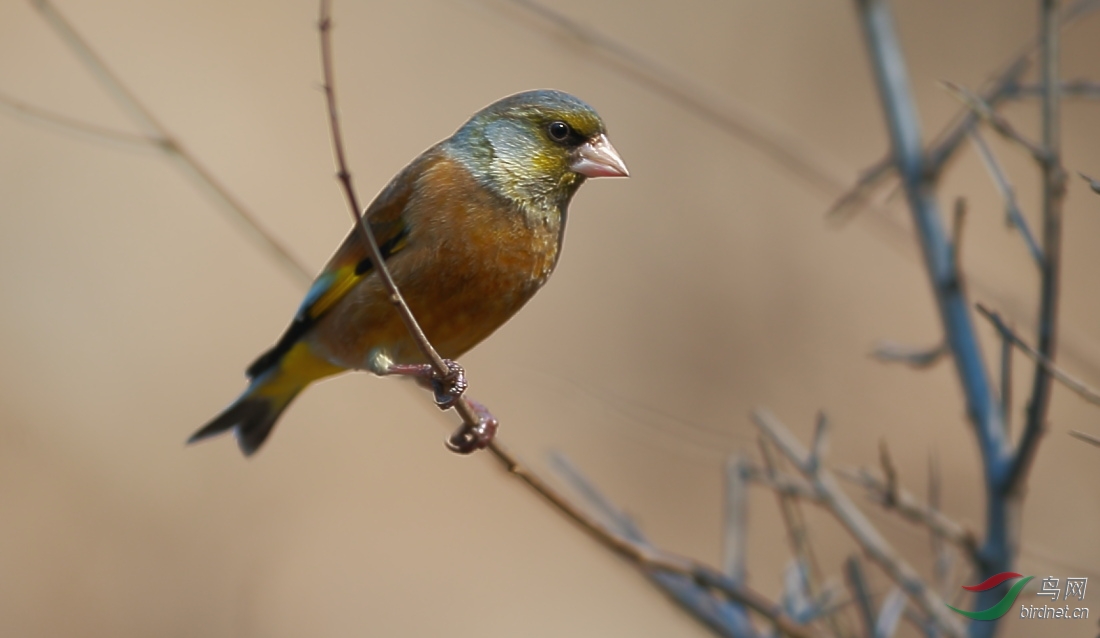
252,417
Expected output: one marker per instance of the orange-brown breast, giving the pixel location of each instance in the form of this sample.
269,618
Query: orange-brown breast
472,260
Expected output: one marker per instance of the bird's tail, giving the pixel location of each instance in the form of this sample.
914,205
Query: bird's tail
254,413
277,377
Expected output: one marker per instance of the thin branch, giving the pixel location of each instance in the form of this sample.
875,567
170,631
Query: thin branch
724,617
1084,436
735,525
890,613
903,502
1073,89
141,116
462,406
855,198
73,125
629,546
1077,386
1012,206
797,533
861,593
944,558
916,170
890,487
1093,184
862,530
1004,85
999,88
995,120
1054,190
958,224
820,446
897,499
781,483
920,358
1006,380
943,148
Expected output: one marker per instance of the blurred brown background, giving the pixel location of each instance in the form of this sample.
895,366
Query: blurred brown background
707,284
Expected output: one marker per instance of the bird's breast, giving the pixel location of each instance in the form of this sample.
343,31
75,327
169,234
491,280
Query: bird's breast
472,260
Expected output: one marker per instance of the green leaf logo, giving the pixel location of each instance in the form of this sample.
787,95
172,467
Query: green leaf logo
1002,607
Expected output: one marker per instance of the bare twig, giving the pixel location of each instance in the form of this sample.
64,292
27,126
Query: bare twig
624,539
724,617
958,224
1006,380
916,169
855,198
833,498
861,593
995,120
1054,190
893,605
735,526
324,24
141,116
942,566
781,483
1093,184
797,533
1072,89
999,88
1084,436
1078,387
462,406
1012,206
890,487
1003,85
898,499
892,352
74,125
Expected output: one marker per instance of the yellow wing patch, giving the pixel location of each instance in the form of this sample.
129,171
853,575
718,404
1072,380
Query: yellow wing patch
346,277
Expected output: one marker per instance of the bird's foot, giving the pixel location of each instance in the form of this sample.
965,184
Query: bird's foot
471,438
447,388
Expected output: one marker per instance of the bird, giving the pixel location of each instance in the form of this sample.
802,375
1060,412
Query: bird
469,230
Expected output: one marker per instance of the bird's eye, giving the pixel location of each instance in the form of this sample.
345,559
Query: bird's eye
559,131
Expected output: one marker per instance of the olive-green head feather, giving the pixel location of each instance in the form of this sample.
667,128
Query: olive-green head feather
532,148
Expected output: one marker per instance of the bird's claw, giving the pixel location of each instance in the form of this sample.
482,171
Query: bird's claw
470,438
448,388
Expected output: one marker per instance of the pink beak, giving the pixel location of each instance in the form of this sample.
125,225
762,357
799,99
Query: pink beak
598,158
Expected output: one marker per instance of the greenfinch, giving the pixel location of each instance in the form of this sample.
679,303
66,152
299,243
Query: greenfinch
470,230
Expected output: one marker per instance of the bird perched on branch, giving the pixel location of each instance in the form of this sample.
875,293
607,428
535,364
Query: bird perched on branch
470,230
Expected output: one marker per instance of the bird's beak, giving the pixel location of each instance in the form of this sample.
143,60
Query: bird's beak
598,158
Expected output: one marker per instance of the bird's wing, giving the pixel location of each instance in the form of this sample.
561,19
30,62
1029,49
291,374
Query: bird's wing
351,263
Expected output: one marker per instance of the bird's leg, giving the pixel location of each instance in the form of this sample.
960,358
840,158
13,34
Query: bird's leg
471,438
447,388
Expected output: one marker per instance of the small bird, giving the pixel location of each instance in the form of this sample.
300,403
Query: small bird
470,230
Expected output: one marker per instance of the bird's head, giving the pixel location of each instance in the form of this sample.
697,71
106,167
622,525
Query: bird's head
537,147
